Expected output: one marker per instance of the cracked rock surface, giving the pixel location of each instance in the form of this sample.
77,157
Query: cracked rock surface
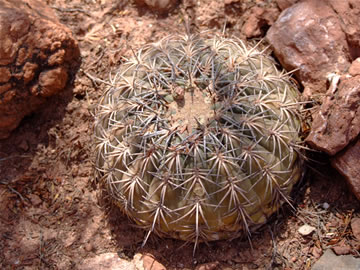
338,120
316,38
38,57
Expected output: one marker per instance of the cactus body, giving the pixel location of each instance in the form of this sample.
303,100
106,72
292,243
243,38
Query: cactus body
197,138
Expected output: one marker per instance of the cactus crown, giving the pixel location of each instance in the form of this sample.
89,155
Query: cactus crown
197,138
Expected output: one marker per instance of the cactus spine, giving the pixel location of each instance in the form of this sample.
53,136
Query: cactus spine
197,138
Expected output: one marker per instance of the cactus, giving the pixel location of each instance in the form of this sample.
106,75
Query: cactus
197,138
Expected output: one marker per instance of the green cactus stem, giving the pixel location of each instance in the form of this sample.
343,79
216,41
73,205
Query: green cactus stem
198,138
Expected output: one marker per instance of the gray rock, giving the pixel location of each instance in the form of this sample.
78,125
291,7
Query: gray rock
329,261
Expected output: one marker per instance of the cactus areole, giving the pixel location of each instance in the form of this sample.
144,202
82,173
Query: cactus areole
197,139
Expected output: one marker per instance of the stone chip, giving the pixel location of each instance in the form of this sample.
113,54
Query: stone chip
347,163
337,122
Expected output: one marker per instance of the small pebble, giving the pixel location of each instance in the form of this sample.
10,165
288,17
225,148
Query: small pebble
24,145
325,205
88,247
316,252
35,199
342,249
306,229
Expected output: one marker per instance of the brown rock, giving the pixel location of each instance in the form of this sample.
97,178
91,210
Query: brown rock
284,4
342,249
22,55
259,19
29,71
349,13
32,39
8,96
35,199
355,227
8,121
88,247
4,88
308,36
354,69
24,145
57,58
5,75
52,81
251,28
347,163
338,120
316,252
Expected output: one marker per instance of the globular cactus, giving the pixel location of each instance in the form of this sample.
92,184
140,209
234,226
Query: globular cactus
197,139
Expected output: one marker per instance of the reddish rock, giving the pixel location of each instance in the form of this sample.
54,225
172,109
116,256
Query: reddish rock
355,227
349,13
319,38
316,252
4,87
258,20
338,119
5,75
284,4
38,56
347,163
35,200
29,70
52,81
354,69
309,37
342,249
